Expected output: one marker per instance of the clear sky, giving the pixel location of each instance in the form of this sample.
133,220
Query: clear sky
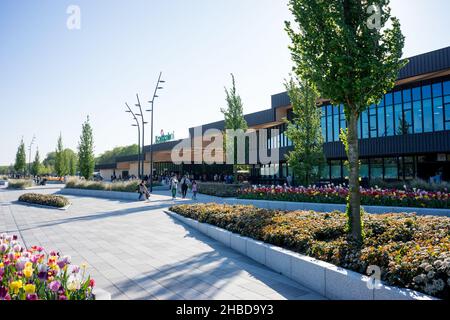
51,77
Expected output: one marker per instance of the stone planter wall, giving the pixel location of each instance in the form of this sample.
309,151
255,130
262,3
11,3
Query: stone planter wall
326,279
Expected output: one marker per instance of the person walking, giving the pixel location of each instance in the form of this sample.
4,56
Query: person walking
184,186
143,191
194,190
174,186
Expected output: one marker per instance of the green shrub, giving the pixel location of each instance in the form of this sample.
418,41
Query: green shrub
220,189
45,200
412,251
126,186
20,184
4,178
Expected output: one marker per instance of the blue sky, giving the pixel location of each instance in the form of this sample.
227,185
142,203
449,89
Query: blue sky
51,78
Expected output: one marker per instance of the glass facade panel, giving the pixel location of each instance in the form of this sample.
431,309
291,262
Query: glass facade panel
447,88
336,124
438,114
427,116
417,94
426,92
364,169
437,90
381,122
418,117
398,117
376,168
336,170
407,95
391,168
365,124
390,120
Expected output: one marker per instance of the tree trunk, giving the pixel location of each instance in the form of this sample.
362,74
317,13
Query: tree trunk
354,201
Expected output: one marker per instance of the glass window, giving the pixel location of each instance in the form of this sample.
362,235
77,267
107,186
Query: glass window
365,125
376,169
324,128
398,117
389,121
388,99
390,168
359,128
398,97
330,129
345,171
447,88
407,95
447,99
364,169
408,128
416,93
447,112
426,92
438,114
336,170
381,122
336,125
407,168
437,90
326,172
427,116
418,117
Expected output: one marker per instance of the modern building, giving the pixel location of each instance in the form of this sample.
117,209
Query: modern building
405,136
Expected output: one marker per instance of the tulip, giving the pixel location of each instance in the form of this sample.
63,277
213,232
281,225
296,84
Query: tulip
32,297
29,288
54,286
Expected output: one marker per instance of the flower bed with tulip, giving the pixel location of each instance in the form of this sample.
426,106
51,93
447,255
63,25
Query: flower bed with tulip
338,195
32,274
45,200
412,251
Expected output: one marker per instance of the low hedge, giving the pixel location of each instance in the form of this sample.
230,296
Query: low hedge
220,189
412,251
45,200
20,184
127,186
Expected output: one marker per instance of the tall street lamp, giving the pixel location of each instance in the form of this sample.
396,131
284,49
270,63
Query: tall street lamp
152,102
141,114
29,159
139,134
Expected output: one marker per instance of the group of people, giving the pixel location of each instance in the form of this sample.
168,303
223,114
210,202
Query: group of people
182,186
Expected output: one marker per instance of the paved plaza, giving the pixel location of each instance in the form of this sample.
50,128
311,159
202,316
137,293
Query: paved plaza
135,251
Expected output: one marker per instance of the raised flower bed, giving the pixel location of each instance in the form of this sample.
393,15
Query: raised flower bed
48,200
20,184
338,195
32,274
413,252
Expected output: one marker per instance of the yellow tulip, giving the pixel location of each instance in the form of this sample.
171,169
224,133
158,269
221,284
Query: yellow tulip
16,286
30,288
28,272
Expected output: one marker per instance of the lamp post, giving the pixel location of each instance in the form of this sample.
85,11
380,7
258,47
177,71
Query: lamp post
141,114
139,135
152,102
29,159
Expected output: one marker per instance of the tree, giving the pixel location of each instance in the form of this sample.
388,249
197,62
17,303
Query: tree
304,131
346,51
110,156
234,119
71,161
36,167
60,159
21,162
86,159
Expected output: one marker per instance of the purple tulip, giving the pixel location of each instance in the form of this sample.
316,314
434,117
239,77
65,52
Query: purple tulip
20,265
54,286
62,297
32,297
3,293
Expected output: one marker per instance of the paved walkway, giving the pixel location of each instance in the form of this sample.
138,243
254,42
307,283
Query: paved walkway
135,251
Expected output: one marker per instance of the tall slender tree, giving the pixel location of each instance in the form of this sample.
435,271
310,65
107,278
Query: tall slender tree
21,159
36,167
71,161
60,159
86,158
345,49
234,120
304,131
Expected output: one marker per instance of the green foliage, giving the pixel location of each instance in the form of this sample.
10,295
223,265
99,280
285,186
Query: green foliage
349,62
110,156
234,114
304,131
21,161
50,160
86,159
127,186
36,167
60,159
45,200
71,161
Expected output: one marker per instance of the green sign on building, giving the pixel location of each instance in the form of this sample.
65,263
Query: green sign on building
165,137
